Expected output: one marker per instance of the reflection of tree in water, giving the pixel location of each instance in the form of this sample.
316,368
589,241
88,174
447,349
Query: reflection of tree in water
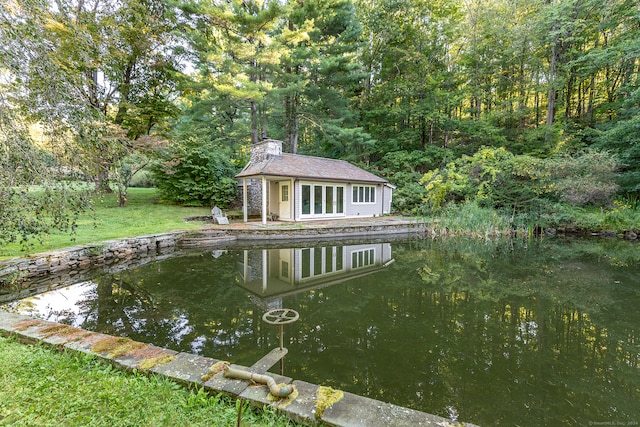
501,336
187,304
535,333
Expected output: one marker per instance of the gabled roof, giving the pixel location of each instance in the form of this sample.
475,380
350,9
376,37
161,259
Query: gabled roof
308,167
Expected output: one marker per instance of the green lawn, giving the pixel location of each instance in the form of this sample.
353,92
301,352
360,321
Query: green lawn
142,215
40,386
43,387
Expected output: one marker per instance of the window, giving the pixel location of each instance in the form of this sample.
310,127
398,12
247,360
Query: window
318,262
318,199
306,263
364,194
306,200
363,258
285,193
328,197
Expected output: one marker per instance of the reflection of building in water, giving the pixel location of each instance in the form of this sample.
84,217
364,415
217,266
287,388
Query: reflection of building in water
271,274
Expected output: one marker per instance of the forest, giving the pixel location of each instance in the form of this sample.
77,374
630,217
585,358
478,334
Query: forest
526,108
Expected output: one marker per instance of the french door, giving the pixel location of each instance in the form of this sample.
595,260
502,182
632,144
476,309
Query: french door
322,200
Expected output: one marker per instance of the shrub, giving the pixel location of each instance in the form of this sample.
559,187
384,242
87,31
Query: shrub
492,177
585,179
622,216
196,175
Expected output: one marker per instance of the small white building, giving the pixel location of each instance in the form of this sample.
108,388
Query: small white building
294,187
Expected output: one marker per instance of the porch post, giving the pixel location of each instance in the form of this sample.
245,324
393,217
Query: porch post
245,208
264,200
265,267
245,267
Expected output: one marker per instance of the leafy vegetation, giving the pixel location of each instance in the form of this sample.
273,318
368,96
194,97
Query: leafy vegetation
196,175
401,87
42,387
529,189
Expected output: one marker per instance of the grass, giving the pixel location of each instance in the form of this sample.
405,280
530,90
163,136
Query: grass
470,220
142,215
40,386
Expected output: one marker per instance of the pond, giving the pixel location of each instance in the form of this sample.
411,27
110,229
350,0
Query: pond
494,333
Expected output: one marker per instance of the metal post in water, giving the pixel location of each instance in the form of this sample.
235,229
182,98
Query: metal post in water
281,317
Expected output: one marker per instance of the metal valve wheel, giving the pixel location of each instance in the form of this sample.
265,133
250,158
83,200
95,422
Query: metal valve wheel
280,316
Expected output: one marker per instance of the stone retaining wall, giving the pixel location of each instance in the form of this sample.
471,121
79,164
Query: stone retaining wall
347,231
72,261
60,266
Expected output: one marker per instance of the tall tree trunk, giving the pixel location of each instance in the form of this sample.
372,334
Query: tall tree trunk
254,122
125,90
255,119
552,93
102,183
568,96
296,127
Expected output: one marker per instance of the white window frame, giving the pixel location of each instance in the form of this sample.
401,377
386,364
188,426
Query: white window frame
331,261
335,203
363,194
363,258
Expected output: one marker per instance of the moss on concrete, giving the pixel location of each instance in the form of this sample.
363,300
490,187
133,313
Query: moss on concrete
215,369
152,362
26,324
59,330
283,402
116,347
325,397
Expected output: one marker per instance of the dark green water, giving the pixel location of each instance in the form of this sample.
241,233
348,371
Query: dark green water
509,333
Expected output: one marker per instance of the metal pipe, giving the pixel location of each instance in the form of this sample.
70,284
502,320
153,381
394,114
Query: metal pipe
275,390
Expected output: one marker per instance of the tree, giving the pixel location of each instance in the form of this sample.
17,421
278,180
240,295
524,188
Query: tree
196,172
587,178
110,65
411,94
319,80
234,52
25,156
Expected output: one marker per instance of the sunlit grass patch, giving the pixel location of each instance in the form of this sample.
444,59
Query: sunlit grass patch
142,215
41,386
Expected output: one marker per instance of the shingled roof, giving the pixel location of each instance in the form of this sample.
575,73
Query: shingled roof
308,167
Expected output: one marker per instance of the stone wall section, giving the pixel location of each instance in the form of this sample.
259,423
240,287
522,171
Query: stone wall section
260,152
254,196
78,258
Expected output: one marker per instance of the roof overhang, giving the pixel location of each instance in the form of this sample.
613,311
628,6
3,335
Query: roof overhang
272,177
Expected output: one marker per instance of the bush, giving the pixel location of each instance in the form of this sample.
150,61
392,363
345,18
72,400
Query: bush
196,175
623,216
408,198
585,179
492,177
404,169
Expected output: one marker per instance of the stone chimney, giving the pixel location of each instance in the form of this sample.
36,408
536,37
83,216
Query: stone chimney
264,150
